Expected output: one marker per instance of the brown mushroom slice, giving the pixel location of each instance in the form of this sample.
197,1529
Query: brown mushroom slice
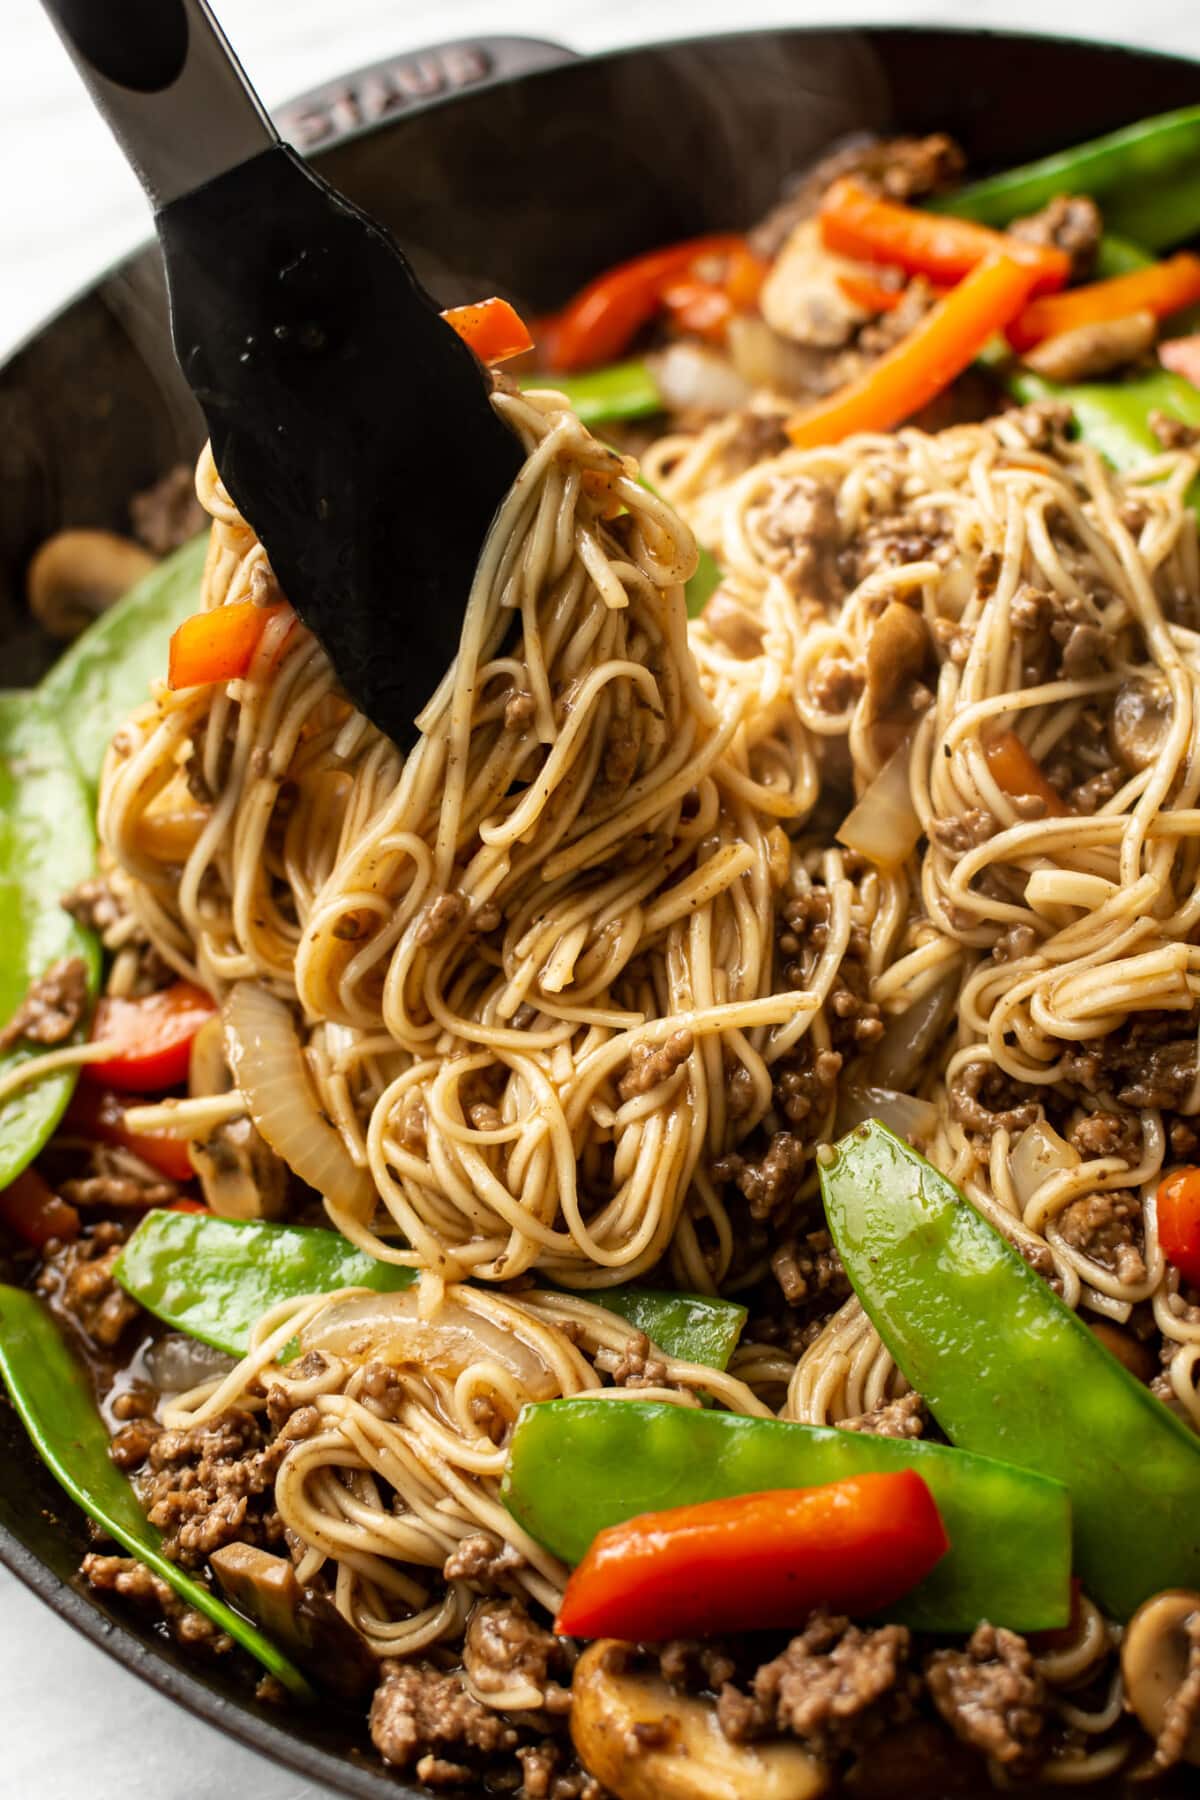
240,1174
77,575
1089,351
1140,720
1155,1654
299,1619
644,1742
897,650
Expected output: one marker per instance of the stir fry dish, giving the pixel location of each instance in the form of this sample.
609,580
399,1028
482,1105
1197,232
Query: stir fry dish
649,1245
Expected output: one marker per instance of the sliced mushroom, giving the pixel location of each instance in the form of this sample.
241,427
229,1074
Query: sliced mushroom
646,1743
76,575
896,653
1092,350
733,625
240,1174
300,1619
802,297
1155,1654
1137,1357
1139,721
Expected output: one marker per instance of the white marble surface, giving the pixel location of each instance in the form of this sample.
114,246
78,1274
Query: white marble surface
77,1727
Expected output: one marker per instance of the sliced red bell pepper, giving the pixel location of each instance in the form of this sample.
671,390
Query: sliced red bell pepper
1017,773
598,324
99,1113
219,644
757,1560
1163,288
701,308
494,329
150,1039
31,1208
855,222
912,374
1178,1212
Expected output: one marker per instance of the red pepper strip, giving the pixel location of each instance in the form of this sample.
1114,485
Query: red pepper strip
1182,357
856,223
218,645
150,1038
757,1560
1163,288
494,329
1178,1211
700,308
99,1113
30,1207
186,1206
744,276
912,374
1017,773
598,324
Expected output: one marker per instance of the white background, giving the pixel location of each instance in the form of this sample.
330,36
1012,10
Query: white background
77,1727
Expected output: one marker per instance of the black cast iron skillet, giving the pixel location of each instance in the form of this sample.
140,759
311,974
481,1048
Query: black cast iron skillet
504,165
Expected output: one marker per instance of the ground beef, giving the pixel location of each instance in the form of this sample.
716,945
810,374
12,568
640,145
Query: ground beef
1173,434
214,1484
94,905
1071,222
484,1561
890,540
651,1063
440,918
771,1183
105,1187
504,1648
836,682
961,832
53,1006
855,1021
901,1418
634,1365
1148,1063
903,168
1107,1134
799,529
1108,1228
992,1696
551,1771
695,1664
418,1711
78,1281
131,1444
833,1687
809,1267
130,1579
1183,1708
984,1100
168,514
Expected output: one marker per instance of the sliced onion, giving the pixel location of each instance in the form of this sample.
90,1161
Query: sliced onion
268,1065
884,826
691,377
1038,1153
388,1327
904,1114
176,1363
763,359
909,1037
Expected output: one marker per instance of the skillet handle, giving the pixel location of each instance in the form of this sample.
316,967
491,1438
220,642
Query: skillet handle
353,103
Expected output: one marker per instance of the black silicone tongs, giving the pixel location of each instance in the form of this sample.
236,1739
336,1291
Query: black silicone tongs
349,423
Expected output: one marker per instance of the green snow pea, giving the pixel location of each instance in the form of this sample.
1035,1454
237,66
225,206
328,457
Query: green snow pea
47,846
576,1466
624,390
1145,178
107,671
214,1278
1009,1371
51,1394
1115,415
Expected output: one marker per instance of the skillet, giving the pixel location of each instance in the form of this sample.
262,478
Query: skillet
503,165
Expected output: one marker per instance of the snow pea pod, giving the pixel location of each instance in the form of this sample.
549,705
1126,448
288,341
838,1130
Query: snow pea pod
624,390
1009,1371
107,671
1114,416
214,1278
577,1466
1145,177
50,1392
47,846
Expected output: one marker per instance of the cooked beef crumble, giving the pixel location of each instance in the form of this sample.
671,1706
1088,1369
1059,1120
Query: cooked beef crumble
131,1580
53,1006
992,1696
77,1279
834,1686
214,1484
